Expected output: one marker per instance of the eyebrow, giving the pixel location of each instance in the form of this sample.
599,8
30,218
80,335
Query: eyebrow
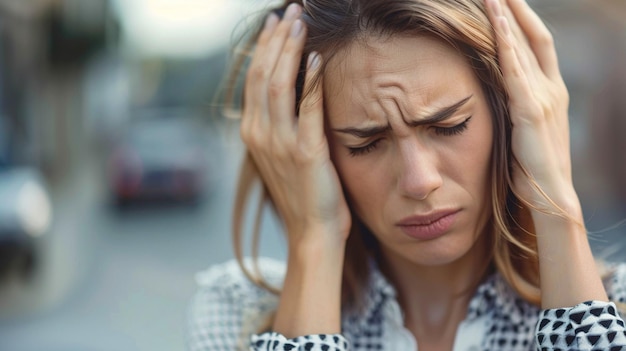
436,117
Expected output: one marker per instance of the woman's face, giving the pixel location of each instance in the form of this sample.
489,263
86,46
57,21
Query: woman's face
410,133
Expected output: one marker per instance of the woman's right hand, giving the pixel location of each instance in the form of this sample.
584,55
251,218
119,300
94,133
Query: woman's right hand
291,152
292,156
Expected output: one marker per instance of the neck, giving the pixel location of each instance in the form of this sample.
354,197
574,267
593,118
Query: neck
434,299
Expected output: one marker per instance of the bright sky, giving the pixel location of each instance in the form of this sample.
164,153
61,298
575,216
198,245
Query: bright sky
181,28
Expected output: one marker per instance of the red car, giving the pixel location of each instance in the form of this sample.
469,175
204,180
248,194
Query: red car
159,159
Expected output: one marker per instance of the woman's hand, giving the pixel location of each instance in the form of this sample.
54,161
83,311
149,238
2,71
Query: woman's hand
538,105
292,156
291,152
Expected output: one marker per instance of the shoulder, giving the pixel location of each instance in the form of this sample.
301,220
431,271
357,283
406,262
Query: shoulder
227,307
226,282
228,276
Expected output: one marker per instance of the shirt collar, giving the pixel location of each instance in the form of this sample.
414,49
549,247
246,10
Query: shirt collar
493,294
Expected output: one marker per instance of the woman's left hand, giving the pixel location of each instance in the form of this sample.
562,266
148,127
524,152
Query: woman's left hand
542,175
538,105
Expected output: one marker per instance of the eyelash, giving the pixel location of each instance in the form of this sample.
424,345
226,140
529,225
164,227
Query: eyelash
444,131
358,151
454,130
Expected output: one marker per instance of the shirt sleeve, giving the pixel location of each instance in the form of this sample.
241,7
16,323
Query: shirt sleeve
277,342
591,325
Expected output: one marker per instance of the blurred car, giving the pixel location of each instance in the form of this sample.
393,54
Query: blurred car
25,216
158,159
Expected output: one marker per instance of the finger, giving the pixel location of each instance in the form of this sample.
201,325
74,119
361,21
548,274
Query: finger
527,56
266,57
539,37
496,11
311,119
256,71
282,88
514,26
512,70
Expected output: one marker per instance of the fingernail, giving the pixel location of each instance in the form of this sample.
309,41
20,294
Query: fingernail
497,8
504,24
270,21
314,60
292,11
296,28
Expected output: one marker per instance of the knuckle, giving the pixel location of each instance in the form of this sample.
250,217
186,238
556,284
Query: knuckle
546,39
277,88
256,140
533,113
537,112
517,71
252,137
258,73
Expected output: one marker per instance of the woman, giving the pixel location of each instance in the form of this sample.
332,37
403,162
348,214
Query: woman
418,157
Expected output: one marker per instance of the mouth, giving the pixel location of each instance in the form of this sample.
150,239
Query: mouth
429,226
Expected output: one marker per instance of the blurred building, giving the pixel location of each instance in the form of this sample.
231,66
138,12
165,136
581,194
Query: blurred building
44,46
590,36
607,113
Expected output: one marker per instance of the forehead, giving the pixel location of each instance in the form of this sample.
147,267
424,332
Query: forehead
420,72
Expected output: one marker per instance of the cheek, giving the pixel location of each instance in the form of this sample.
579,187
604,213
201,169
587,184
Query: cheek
362,183
478,160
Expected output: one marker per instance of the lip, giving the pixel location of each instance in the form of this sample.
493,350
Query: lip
428,226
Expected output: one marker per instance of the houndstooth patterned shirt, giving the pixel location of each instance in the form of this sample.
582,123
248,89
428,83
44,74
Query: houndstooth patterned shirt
228,310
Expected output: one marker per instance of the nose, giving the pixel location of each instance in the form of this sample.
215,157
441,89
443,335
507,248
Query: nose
419,174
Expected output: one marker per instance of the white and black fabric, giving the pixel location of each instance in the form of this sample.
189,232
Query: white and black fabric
227,313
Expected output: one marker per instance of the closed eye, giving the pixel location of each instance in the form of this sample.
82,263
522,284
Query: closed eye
362,150
454,130
445,131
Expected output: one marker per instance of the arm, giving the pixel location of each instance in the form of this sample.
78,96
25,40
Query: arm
538,104
292,155
576,312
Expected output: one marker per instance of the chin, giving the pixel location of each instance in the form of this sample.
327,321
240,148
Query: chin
437,252
433,258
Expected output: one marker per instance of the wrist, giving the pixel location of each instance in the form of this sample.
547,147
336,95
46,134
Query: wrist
311,257
317,240
556,204
310,302
567,266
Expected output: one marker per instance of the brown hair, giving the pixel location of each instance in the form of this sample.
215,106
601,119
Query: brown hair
463,24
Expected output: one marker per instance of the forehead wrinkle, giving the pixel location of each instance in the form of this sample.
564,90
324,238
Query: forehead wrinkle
370,108
363,75
409,103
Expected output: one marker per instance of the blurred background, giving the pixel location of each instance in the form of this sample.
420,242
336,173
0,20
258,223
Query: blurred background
117,176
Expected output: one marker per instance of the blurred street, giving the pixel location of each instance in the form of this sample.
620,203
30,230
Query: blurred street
113,273
120,279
